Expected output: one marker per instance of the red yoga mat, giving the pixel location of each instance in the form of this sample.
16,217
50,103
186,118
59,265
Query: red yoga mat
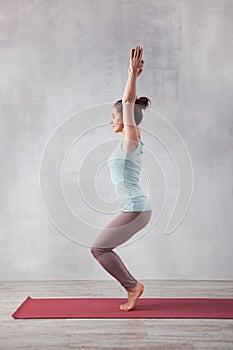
110,308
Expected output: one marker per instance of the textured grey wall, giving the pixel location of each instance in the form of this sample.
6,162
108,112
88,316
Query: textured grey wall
59,57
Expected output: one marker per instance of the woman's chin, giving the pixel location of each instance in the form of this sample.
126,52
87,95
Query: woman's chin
117,130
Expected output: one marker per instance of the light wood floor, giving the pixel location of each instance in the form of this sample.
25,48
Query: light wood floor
163,334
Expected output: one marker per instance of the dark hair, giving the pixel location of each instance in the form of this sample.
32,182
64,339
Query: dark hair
140,104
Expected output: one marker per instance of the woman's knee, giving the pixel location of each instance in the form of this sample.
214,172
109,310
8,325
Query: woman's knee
96,251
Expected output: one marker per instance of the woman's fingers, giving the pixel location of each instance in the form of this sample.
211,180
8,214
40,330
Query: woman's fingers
141,52
136,52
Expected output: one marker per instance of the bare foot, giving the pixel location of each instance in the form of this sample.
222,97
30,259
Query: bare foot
133,295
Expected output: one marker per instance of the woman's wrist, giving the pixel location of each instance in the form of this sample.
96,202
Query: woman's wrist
132,72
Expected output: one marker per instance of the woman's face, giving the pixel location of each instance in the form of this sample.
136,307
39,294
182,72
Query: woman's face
116,121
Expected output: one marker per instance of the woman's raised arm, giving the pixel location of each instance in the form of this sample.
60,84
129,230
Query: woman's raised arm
129,97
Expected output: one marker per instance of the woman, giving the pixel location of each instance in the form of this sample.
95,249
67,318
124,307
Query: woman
125,166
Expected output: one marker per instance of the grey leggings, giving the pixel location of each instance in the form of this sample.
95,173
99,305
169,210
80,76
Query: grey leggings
116,232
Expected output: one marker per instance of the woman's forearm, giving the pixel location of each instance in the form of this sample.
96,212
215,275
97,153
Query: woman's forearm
130,88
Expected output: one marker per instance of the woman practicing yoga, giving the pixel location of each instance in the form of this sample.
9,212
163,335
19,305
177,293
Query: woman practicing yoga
125,166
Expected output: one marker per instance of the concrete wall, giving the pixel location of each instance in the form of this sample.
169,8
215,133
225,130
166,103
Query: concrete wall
60,57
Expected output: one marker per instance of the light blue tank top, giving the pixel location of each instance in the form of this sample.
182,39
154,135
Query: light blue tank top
125,168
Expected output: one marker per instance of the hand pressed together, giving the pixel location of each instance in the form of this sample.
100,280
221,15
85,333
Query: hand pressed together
136,63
